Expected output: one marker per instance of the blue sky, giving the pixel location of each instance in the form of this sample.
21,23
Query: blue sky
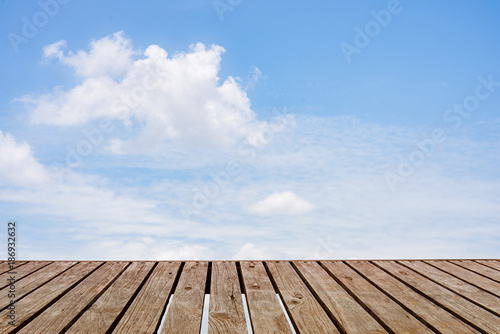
250,129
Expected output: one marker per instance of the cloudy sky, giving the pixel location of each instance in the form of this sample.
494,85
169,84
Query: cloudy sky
233,129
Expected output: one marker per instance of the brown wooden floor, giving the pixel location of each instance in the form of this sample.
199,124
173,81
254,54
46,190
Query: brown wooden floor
435,296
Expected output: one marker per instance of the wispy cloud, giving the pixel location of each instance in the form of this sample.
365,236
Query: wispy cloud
316,189
282,203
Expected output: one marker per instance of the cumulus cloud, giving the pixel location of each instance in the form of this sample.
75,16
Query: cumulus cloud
18,167
109,56
284,203
163,97
338,165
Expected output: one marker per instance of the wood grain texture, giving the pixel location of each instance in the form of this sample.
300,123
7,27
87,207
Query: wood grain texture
348,312
306,313
395,296
479,268
35,280
468,275
58,316
226,313
470,312
144,314
43,296
5,266
21,272
457,285
264,308
186,307
490,263
105,310
388,311
437,317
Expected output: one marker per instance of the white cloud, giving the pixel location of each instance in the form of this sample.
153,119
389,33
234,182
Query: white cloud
109,56
54,50
115,248
62,192
177,98
154,250
250,252
337,164
285,203
18,167
448,208
254,76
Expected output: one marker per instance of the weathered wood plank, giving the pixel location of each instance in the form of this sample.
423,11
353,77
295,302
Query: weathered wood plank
264,308
447,296
479,268
490,263
434,315
60,315
186,308
457,285
306,313
144,314
21,272
105,310
468,311
5,267
469,276
43,296
35,280
388,311
348,312
226,313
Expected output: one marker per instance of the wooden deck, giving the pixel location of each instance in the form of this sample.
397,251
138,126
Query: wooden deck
417,296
